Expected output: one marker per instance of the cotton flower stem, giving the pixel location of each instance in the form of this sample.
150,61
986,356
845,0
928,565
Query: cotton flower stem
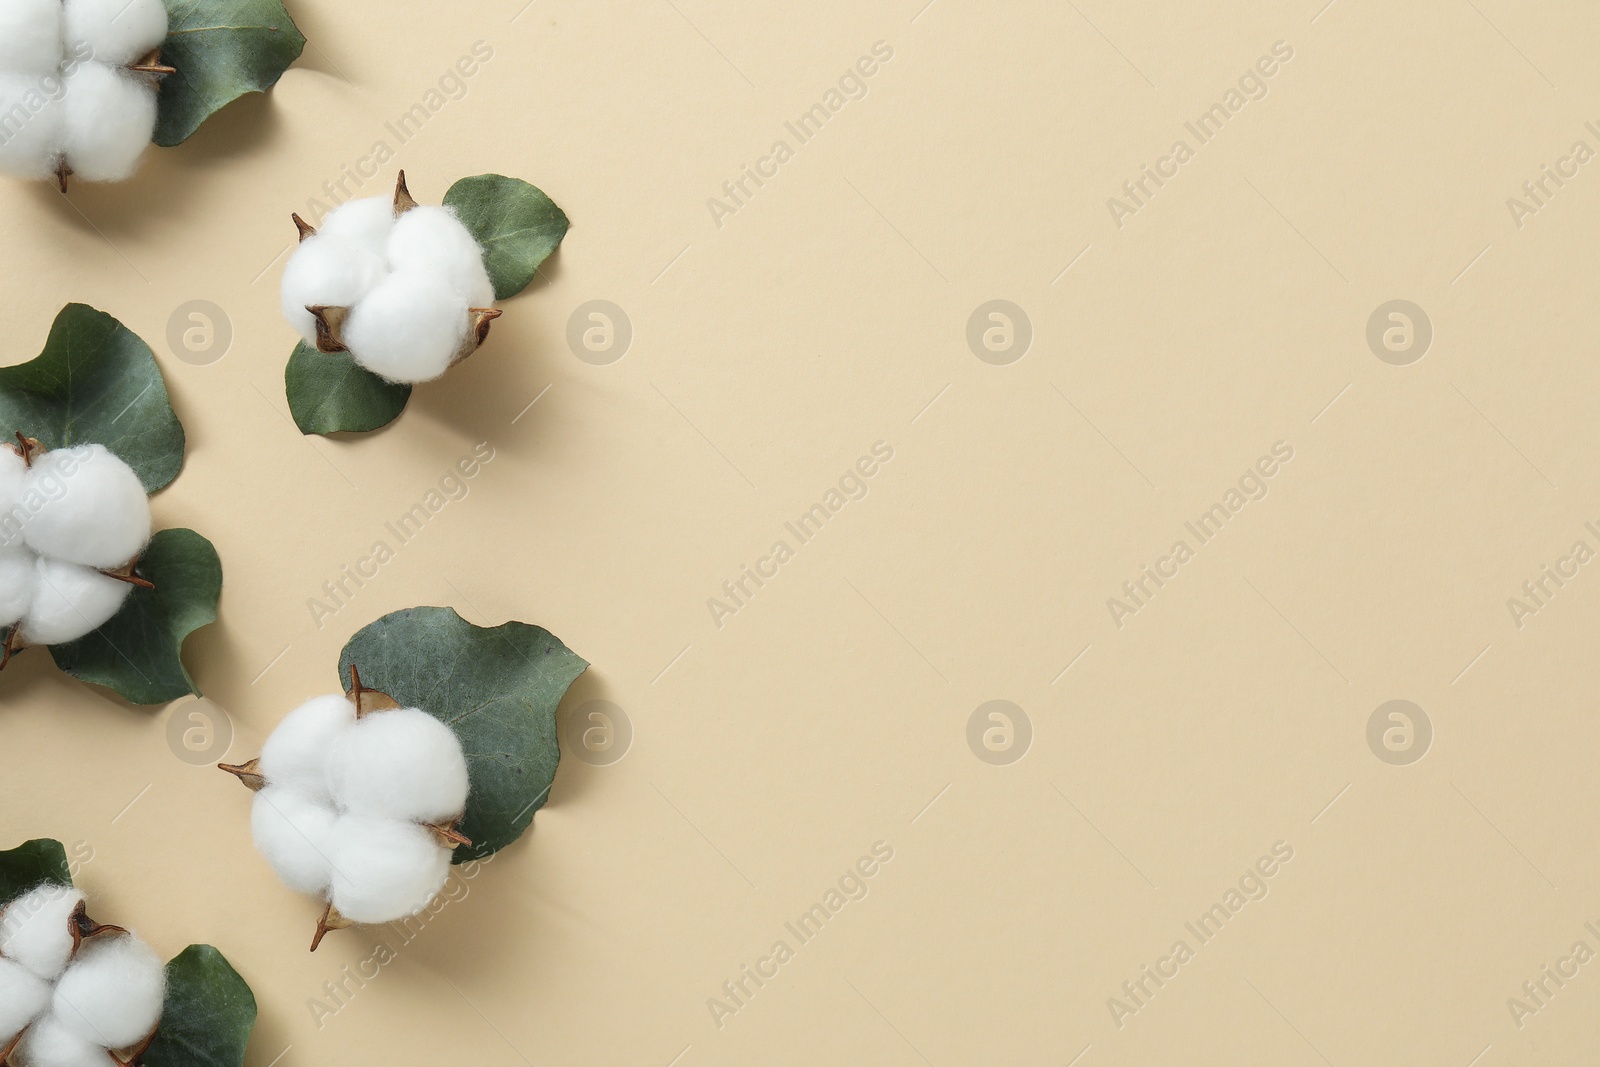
125,574
305,228
331,920
403,200
246,773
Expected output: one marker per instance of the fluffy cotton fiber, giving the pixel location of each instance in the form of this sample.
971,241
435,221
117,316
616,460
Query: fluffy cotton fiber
409,285
36,929
383,869
111,995
72,1000
63,519
348,803
401,764
100,515
23,995
291,830
70,100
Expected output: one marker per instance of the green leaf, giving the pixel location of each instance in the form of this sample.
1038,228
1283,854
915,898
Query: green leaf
329,392
496,688
95,382
208,1015
32,863
136,653
222,49
517,225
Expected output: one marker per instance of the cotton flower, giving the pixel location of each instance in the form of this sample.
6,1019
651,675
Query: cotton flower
78,81
72,523
356,803
402,288
71,991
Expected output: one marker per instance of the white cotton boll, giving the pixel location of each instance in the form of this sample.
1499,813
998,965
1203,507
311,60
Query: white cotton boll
49,1042
30,36
12,515
30,124
291,832
23,995
70,601
108,117
36,929
296,753
325,271
93,509
19,577
433,239
112,993
408,329
365,224
384,870
115,32
400,764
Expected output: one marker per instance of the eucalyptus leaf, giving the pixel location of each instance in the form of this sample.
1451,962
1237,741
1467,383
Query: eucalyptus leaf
222,49
30,864
208,1015
497,688
137,653
330,392
95,382
516,223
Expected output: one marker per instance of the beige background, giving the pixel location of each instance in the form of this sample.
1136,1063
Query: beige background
831,712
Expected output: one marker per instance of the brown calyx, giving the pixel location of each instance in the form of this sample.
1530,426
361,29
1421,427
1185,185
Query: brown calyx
13,645
125,573
367,700
330,326
305,228
331,920
27,447
150,63
403,200
247,773
83,927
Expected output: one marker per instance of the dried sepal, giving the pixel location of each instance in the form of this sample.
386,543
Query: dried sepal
63,172
133,1056
248,773
448,836
330,327
150,63
83,927
367,700
331,920
305,228
403,200
125,574
13,645
478,320
27,448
